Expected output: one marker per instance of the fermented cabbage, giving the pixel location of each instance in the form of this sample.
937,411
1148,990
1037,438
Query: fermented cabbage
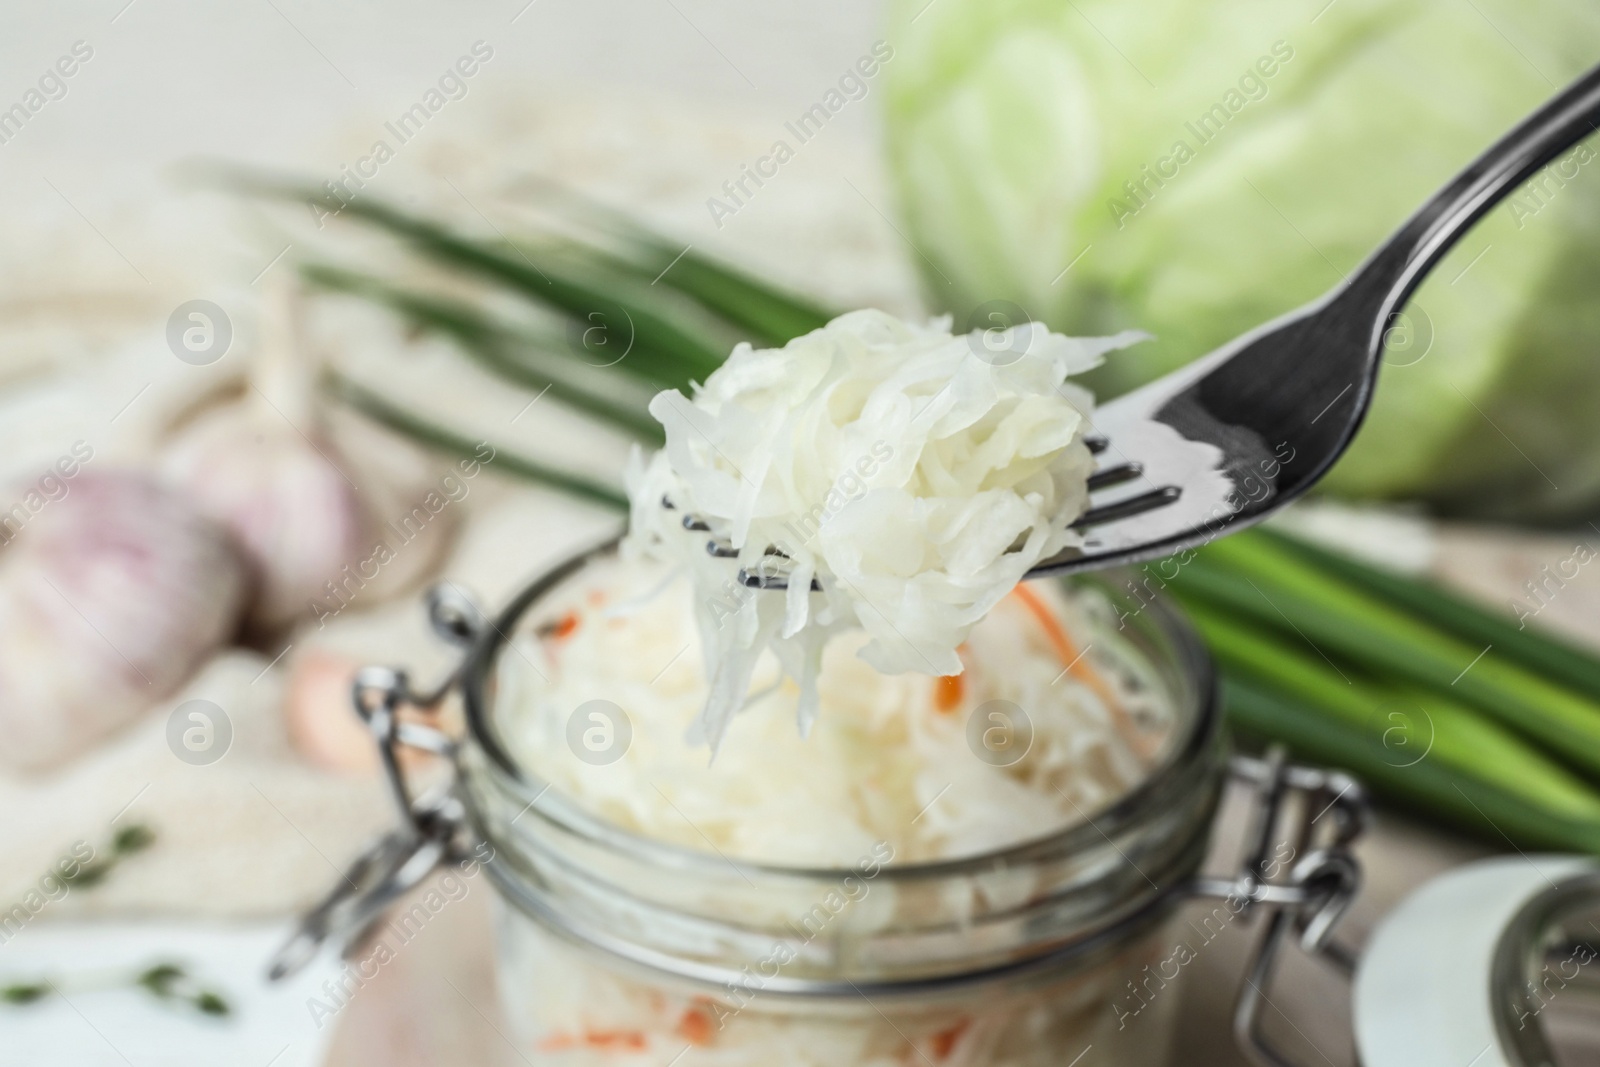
913,474
1067,725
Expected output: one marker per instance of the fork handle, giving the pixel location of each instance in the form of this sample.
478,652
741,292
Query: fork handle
1393,272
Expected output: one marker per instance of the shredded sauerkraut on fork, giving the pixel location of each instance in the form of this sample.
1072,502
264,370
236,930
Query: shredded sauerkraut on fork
904,478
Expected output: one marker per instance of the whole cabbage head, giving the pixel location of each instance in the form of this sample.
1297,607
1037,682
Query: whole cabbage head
1196,167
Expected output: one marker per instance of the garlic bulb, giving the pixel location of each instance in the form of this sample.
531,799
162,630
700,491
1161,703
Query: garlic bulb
291,510
110,598
309,515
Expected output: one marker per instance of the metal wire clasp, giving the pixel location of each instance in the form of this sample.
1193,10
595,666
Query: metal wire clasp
430,831
1319,814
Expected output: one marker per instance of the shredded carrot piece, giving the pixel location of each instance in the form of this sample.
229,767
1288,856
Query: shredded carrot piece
696,1026
629,1039
632,1040
568,623
1071,657
944,1042
1079,667
947,691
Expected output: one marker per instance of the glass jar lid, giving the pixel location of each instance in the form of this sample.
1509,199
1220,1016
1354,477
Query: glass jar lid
1492,964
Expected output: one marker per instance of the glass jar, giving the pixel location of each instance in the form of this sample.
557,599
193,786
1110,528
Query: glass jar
617,948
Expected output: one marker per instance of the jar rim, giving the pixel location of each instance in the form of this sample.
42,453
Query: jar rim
566,815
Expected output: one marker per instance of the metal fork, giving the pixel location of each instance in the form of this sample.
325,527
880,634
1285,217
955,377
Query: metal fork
1226,440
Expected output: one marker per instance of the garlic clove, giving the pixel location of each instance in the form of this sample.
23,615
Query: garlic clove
110,598
312,500
295,514
323,725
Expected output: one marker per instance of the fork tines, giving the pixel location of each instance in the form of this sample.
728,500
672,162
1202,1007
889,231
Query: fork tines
1106,477
1126,509
770,572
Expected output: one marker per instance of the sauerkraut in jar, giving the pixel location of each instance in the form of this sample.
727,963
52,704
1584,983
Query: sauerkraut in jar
961,869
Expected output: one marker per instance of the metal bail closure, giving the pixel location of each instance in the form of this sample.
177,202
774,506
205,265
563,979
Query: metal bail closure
1319,814
431,825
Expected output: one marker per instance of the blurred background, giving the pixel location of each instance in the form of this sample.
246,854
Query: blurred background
304,307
